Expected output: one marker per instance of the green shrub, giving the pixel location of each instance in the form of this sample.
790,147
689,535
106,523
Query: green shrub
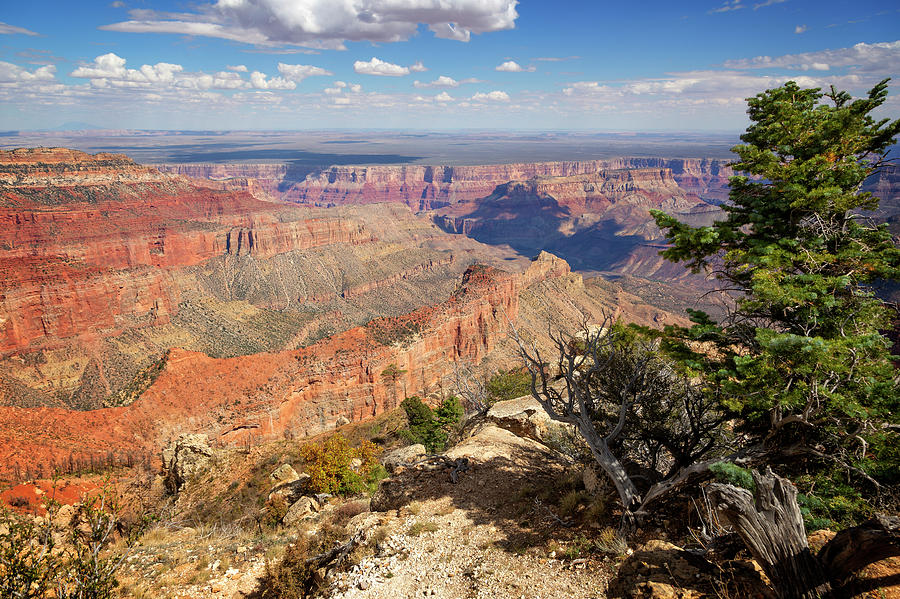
430,427
291,577
274,511
733,474
329,466
508,384
34,565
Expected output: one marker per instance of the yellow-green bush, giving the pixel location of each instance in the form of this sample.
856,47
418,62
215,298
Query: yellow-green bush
329,466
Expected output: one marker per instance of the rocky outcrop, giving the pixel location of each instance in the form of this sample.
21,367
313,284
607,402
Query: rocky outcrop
661,570
61,168
184,458
402,456
523,417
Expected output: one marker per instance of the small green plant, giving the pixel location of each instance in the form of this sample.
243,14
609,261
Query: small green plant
609,541
291,577
420,527
274,511
568,505
330,466
35,563
733,474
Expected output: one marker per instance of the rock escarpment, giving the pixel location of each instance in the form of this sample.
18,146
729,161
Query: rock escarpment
425,187
596,222
299,392
89,244
593,213
105,265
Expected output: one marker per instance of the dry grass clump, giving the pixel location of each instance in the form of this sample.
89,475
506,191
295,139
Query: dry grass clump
345,512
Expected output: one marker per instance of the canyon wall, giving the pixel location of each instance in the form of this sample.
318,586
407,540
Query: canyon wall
597,222
300,392
88,243
425,187
106,264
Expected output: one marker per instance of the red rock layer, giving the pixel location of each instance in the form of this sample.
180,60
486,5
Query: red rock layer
305,391
101,266
426,187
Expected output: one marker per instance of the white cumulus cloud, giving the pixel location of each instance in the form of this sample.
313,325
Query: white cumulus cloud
800,29
442,81
110,71
494,96
239,68
12,73
379,67
443,97
511,66
299,72
418,67
881,57
259,81
327,23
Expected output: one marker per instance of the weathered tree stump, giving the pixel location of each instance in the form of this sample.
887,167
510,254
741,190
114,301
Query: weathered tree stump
770,523
771,526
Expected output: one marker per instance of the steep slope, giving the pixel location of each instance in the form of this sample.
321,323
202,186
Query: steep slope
105,265
338,379
298,392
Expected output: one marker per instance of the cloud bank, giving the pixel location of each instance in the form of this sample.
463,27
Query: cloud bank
327,23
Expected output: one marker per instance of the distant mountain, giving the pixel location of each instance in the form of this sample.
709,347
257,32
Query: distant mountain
76,126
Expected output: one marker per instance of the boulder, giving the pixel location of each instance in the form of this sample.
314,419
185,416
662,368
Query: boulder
392,494
661,570
284,474
299,510
523,417
184,458
364,524
489,443
403,456
292,490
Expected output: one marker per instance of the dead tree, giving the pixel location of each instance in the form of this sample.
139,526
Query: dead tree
471,389
613,391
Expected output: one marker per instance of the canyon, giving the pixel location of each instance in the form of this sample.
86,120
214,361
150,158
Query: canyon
245,301
424,187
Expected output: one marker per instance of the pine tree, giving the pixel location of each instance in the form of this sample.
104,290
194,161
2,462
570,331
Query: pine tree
802,359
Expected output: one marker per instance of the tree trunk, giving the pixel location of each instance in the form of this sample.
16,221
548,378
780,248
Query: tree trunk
855,548
612,466
770,523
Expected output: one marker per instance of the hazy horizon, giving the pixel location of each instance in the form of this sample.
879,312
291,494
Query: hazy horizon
325,148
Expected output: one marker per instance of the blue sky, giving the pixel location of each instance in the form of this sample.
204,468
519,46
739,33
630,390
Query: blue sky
430,64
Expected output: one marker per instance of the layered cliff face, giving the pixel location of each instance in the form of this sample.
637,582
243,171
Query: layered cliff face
100,277
302,392
594,213
100,266
596,222
336,380
426,187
